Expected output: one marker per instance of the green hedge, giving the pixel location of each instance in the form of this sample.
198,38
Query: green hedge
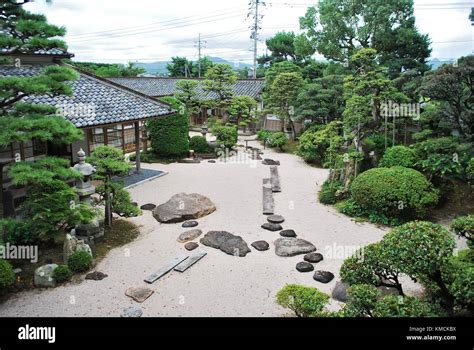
395,192
80,261
398,156
7,276
199,144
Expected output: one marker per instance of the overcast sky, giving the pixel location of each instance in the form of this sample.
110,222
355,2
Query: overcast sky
155,30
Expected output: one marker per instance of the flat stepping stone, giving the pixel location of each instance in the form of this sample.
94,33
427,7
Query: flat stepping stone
288,233
186,264
268,161
211,161
139,294
226,242
323,276
275,179
272,227
132,311
268,202
304,266
189,235
261,245
191,246
165,269
313,257
96,276
275,219
188,224
287,246
148,206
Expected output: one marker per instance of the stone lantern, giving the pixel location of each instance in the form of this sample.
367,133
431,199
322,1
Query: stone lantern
204,130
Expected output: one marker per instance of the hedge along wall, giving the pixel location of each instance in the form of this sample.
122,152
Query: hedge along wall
169,136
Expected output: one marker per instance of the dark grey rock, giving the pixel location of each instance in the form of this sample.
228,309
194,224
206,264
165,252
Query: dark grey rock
292,246
211,161
275,219
184,206
272,227
189,235
188,224
227,242
148,206
260,245
96,276
304,266
339,292
288,233
313,258
132,311
323,276
268,161
191,246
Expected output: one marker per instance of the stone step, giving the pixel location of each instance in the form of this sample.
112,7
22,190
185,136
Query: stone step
268,203
275,178
186,264
166,268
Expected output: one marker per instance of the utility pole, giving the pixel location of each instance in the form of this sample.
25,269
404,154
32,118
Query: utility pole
254,7
200,45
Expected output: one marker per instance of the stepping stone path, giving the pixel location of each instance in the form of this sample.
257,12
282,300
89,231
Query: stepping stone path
184,206
323,276
188,224
304,266
267,199
148,206
96,276
272,227
267,161
226,242
275,219
313,257
292,246
191,246
139,294
189,235
288,233
340,291
275,179
260,245
132,311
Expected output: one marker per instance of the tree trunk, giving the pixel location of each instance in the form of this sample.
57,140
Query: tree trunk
445,294
108,205
292,127
2,212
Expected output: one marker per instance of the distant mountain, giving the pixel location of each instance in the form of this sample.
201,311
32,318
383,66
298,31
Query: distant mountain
159,67
436,63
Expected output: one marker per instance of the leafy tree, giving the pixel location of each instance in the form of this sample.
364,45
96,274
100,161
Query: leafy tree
179,67
338,28
206,64
225,135
186,94
110,162
242,109
109,70
219,80
283,93
452,88
288,46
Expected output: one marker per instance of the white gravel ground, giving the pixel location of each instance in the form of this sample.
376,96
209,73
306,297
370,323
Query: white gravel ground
219,284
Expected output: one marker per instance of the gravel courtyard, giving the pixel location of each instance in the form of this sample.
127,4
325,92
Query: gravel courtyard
219,284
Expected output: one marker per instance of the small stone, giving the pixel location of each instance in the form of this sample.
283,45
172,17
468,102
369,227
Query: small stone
260,245
270,162
188,224
304,266
313,257
17,271
44,276
139,294
135,204
96,276
323,276
191,246
132,311
189,235
275,219
148,206
288,233
339,292
272,227
211,161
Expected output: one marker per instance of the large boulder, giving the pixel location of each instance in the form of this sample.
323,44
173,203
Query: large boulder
73,244
44,276
184,206
288,246
339,292
227,242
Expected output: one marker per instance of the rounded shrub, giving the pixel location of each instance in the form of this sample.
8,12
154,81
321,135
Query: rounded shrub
328,193
303,301
464,226
394,192
79,261
398,306
362,299
225,135
199,144
62,273
398,156
7,276
278,139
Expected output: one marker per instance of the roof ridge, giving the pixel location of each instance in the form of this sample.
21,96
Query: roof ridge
180,78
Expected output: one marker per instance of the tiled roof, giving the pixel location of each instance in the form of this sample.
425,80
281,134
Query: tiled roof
41,52
94,101
156,86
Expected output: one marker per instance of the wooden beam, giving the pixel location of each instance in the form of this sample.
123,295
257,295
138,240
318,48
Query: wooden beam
137,146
